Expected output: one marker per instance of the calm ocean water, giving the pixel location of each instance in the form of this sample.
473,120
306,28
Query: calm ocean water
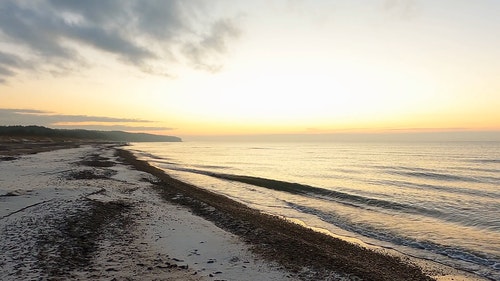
439,201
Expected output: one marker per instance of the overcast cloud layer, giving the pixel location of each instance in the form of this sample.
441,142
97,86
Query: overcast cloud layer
153,35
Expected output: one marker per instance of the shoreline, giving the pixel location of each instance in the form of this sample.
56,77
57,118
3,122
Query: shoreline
394,259
142,205
279,240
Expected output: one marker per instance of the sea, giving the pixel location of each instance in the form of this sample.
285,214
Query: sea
433,200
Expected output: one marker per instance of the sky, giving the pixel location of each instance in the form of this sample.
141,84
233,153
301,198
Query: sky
218,68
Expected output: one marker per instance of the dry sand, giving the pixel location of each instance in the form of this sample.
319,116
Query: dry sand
81,214
85,214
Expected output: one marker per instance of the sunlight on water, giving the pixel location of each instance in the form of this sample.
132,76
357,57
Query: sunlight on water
434,200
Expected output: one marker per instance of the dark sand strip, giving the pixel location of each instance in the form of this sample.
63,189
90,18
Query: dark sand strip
278,240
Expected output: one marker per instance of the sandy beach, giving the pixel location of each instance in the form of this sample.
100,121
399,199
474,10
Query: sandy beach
95,212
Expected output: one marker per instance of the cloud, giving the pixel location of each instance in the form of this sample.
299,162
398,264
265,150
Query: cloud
5,71
47,115
9,63
50,119
115,128
22,111
143,34
204,54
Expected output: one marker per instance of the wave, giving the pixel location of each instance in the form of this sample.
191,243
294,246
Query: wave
489,261
365,202
485,160
447,189
164,162
149,155
473,169
416,172
317,192
211,167
436,176
344,198
262,148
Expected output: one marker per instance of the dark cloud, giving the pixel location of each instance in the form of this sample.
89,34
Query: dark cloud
97,11
21,111
205,53
86,118
110,42
162,20
32,27
50,119
5,71
144,34
114,128
9,63
11,60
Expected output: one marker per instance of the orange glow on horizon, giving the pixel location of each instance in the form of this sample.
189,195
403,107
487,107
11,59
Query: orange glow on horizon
281,72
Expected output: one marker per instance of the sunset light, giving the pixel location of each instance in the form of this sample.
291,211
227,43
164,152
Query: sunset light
250,140
283,67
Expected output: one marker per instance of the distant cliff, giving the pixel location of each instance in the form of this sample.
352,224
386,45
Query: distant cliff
38,131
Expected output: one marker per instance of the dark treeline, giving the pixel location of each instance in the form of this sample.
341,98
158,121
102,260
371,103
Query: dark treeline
39,131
